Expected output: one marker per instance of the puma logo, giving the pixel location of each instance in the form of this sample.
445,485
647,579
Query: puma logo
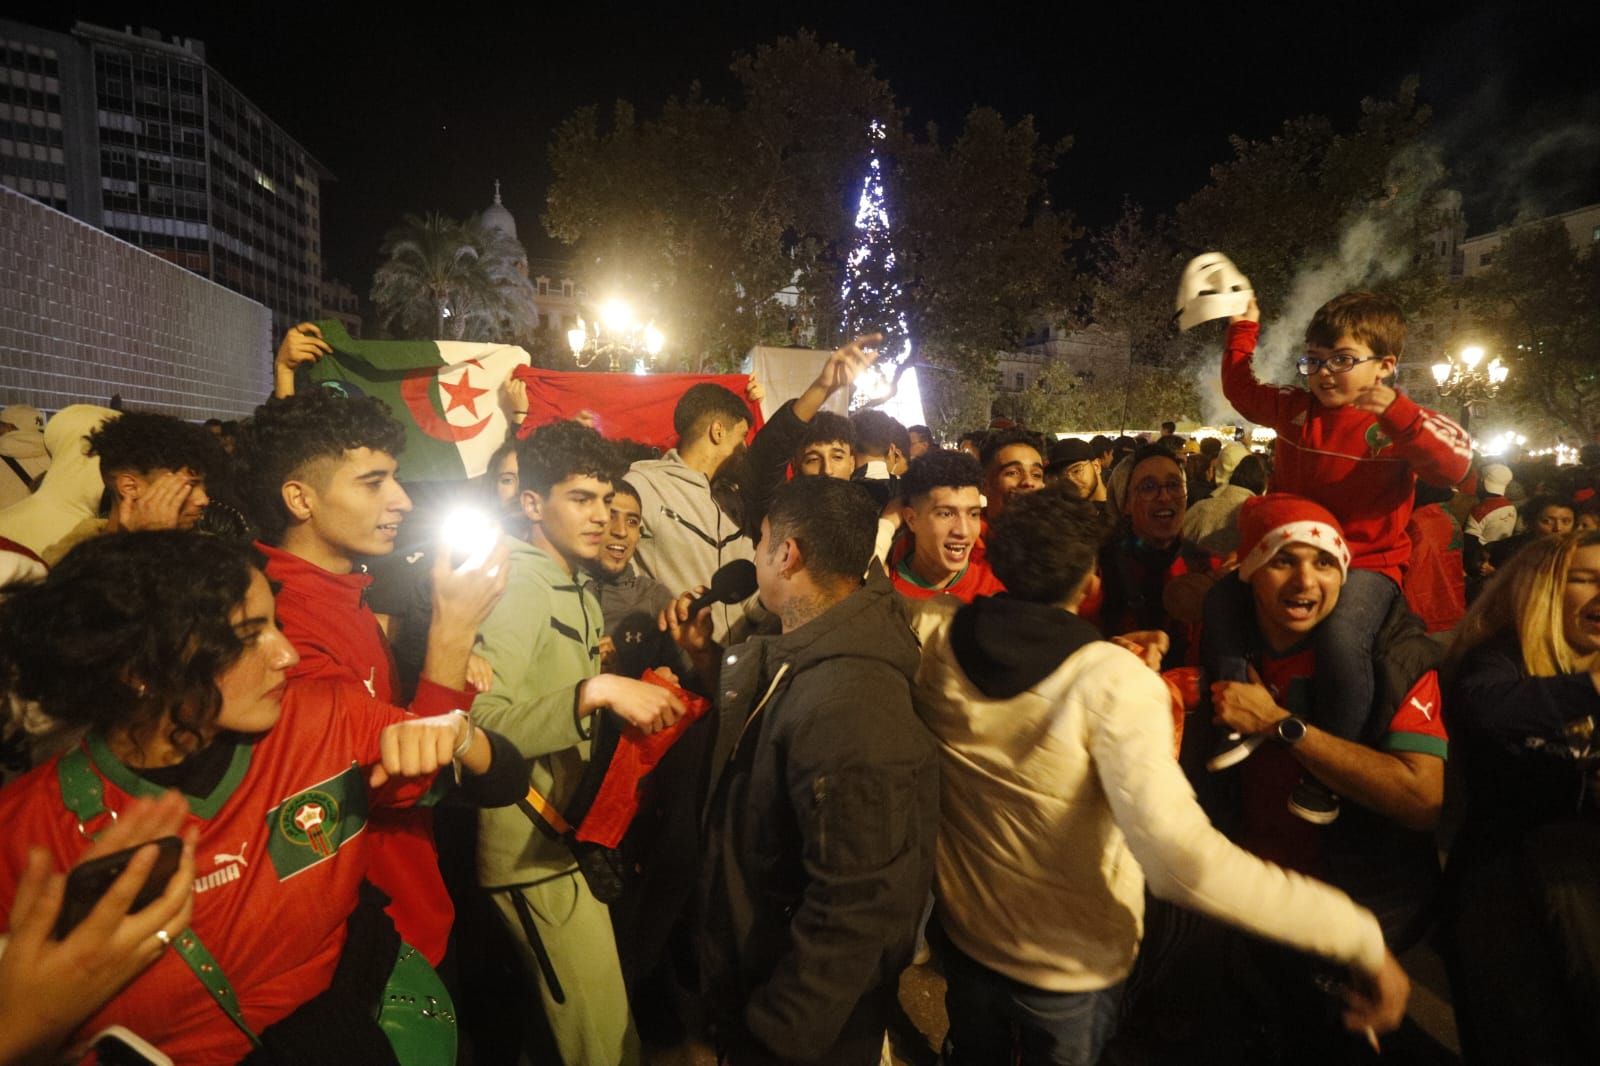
1425,708
372,676
222,874
412,558
239,858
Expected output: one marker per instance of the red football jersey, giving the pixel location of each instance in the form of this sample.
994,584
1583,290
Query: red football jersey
282,852
1362,468
326,618
1270,830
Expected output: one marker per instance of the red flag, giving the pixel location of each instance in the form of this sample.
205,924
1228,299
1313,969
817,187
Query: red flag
628,406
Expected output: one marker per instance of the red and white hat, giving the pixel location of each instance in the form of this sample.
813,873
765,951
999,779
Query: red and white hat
1267,523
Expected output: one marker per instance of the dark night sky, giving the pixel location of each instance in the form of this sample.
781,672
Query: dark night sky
422,113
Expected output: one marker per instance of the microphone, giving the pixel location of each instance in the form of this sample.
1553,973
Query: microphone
731,583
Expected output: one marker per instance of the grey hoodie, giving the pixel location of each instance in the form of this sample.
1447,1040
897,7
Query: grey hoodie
686,536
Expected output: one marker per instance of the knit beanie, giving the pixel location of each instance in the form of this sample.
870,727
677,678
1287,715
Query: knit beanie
1267,523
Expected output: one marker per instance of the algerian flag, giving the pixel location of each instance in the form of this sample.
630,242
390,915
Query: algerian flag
446,394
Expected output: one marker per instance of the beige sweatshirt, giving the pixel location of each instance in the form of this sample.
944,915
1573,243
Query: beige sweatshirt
1056,808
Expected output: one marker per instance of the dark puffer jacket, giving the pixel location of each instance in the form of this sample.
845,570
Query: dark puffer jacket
820,830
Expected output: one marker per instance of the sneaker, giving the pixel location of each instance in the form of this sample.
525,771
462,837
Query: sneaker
1234,749
1313,801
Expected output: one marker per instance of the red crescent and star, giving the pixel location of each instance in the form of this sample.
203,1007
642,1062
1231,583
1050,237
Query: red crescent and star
416,390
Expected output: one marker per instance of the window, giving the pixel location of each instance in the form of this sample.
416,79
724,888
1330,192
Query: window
1021,381
1485,258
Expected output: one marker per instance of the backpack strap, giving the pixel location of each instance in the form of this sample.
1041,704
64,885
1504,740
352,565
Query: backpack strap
81,790
22,474
84,795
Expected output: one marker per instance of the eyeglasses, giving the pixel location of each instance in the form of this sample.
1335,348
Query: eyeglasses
1150,488
1339,364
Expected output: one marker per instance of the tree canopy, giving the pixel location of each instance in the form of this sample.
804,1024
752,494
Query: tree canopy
1306,213
708,209
1538,306
447,280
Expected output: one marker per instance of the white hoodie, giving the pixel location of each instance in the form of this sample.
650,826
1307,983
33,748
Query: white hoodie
71,490
26,447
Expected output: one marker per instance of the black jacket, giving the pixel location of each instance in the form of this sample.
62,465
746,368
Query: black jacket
820,829
1519,740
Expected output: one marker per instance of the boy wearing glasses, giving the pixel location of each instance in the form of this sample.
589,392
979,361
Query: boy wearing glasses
1353,444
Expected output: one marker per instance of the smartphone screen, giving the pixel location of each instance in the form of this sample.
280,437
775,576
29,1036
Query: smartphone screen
90,881
116,1046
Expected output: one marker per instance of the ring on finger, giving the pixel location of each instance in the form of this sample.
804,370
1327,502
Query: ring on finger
165,938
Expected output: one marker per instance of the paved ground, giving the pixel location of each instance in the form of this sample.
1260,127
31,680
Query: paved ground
1431,1040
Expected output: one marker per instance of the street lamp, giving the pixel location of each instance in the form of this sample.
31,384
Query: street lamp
1468,381
618,336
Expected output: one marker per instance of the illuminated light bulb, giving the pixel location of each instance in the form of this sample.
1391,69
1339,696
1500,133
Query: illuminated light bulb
1498,372
616,316
654,340
1472,355
576,336
1441,372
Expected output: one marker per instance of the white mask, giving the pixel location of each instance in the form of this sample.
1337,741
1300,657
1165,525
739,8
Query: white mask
1211,287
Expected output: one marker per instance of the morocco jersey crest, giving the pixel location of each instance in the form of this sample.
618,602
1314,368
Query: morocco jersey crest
310,826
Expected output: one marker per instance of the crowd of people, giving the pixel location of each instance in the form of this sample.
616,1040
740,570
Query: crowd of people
1142,742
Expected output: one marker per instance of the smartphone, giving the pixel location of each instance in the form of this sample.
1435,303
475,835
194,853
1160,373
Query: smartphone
90,881
116,1046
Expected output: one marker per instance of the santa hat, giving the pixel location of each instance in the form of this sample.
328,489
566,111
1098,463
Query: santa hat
1267,523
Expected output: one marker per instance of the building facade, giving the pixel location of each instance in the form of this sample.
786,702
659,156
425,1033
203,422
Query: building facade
1582,225
340,301
1087,351
85,316
137,135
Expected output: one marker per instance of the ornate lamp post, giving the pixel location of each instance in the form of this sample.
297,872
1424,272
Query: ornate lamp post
618,336
1467,381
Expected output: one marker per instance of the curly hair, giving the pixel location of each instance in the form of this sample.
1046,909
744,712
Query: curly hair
288,434
560,450
143,441
940,470
826,427
1044,543
127,631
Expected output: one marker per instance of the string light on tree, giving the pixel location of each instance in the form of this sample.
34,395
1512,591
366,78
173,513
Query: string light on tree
872,298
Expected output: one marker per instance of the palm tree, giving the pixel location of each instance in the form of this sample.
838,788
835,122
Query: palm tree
445,280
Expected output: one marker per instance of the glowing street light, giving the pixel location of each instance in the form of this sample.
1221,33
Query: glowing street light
618,336
1463,379
616,316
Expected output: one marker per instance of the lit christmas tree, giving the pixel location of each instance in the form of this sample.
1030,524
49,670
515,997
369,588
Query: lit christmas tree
871,296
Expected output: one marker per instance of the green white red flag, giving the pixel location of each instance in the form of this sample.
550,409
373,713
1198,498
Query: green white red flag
445,393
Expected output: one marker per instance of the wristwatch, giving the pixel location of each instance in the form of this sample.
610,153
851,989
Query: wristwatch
1292,730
